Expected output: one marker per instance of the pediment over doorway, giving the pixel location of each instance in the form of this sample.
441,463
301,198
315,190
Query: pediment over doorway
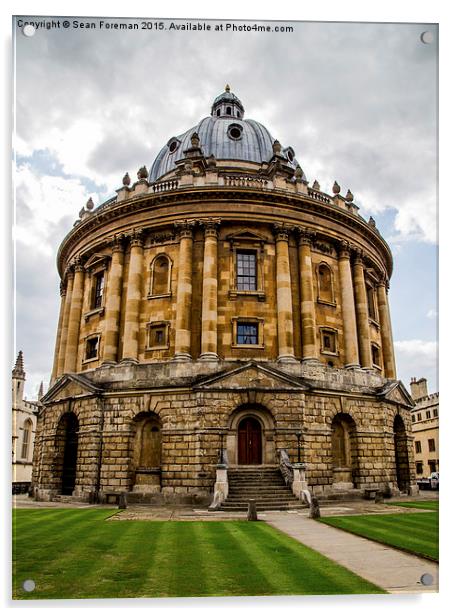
397,393
255,377
70,386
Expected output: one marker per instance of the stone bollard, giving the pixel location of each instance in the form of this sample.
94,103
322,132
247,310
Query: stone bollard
122,502
252,516
378,497
314,508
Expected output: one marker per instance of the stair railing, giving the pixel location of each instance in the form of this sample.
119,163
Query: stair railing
285,466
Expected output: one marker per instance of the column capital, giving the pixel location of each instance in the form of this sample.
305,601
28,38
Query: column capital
136,237
359,256
116,243
62,288
77,264
210,226
281,231
344,249
383,281
185,228
306,236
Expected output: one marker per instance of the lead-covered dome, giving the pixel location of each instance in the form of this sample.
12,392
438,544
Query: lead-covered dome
226,135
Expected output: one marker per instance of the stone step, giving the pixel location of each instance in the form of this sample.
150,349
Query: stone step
264,507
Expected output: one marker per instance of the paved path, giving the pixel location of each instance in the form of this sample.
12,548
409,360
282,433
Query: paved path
393,570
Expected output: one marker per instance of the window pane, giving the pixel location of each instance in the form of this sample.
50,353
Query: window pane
247,333
246,271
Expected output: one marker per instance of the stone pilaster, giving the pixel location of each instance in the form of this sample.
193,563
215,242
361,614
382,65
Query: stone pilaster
284,297
64,334
74,319
63,293
209,343
113,302
308,317
362,312
184,292
348,307
389,362
133,298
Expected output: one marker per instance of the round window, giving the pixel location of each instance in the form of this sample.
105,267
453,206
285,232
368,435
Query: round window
290,155
235,131
173,146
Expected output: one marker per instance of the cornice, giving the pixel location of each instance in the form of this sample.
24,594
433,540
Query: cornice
278,198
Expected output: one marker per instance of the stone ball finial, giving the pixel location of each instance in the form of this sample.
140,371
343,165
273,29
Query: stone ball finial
276,147
349,196
90,204
227,88
299,173
195,140
142,173
126,179
316,185
336,188
372,222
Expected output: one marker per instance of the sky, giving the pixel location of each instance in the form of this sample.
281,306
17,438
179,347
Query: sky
357,102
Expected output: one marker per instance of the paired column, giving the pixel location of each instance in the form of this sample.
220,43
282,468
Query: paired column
133,298
113,302
63,293
348,307
74,318
308,318
284,298
184,292
385,329
362,312
209,342
65,319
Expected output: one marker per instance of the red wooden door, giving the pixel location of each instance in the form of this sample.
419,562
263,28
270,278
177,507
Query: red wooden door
249,441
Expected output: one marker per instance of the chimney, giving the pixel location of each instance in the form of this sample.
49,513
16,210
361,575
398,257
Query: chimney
418,389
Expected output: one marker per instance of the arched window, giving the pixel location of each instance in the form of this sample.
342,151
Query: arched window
161,269
325,284
26,434
228,111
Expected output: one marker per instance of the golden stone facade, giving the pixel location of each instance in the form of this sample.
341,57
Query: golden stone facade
226,288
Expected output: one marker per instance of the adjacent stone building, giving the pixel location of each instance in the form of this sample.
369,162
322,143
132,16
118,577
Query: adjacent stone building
425,428
223,310
23,429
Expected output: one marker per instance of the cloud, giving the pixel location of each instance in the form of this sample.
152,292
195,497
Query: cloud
417,358
432,314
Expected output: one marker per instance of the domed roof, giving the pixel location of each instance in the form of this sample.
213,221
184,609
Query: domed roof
226,135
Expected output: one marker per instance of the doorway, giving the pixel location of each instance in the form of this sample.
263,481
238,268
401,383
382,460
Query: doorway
70,454
249,441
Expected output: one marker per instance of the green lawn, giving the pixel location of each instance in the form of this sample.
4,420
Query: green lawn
432,505
414,532
76,553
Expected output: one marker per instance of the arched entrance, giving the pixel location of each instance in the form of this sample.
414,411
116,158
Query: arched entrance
67,452
343,446
249,439
401,454
147,452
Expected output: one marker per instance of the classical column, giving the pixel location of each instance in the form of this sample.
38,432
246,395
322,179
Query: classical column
348,307
63,292
65,318
133,298
74,319
209,342
385,329
284,298
308,318
362,312
113,302
184,292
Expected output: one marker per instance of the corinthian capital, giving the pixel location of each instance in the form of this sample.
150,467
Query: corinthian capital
210,226
306,236
136,237
282,231
185,228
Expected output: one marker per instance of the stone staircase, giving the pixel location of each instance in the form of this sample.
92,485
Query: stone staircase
263,484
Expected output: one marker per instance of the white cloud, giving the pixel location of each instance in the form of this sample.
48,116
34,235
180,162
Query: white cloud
417,358
432,314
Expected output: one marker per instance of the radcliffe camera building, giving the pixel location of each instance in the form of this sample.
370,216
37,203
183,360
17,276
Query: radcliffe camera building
221,315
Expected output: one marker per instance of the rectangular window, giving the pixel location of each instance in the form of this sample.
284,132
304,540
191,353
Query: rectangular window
92,348
246,271
99,283
157,336
419,417
419,466
328,341
432,466
428,414
247,333
371,302
375,355
435,412
417,447
431,444
25,443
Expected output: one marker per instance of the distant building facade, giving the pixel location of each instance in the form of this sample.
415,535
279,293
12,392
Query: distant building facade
23,432
425,428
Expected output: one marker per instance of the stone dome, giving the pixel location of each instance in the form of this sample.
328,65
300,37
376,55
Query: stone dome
226,135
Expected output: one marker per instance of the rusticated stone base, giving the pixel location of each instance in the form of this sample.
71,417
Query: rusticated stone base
196,410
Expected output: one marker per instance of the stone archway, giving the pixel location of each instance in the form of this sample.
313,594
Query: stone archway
344,451
401,454
66,458
147,452
251,436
